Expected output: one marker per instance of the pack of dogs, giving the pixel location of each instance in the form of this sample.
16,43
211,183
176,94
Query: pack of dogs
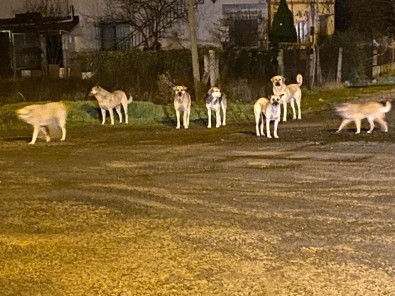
266,110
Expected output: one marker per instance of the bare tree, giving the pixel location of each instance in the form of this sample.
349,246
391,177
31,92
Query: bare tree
47,7
148,18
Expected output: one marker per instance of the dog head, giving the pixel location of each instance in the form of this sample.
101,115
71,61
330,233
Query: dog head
276,99
215,92
25,113
95,90
278,80
179,90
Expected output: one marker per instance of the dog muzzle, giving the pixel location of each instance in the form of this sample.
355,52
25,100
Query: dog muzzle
277,83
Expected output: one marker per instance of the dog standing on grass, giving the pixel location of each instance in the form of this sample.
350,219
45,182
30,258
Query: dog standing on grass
292,92
182,103
110,100
266,110
42,116
216,101
372,111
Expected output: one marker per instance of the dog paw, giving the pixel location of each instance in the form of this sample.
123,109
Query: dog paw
177,127
31,143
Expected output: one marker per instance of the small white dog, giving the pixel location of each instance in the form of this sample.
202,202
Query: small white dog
266,110
292,92
42,116
182,103
372,111
109,101
216,101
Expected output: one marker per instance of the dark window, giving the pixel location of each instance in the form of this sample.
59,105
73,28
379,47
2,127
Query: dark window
244,33
115,36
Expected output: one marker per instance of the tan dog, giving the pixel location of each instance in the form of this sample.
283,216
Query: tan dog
182,103
372,111
266,110
108,101
42,116
216,100
293,93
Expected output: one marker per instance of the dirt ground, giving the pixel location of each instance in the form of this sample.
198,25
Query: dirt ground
151,210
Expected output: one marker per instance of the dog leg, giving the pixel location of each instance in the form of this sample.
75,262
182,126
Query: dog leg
298,103
258,126
178,119
208,118
188,114
118,109
383,124
111,115
358,124
185,119
125,109
36,129
343,124
371,123
292,102
45,131
224,115
103,116
218,118
268,135
275,129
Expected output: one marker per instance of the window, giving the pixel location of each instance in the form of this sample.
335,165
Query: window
246,24
115,36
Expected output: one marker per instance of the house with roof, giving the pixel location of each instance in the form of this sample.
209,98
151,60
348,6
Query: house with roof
36,38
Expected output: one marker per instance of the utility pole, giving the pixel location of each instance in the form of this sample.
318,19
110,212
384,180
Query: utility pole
194,48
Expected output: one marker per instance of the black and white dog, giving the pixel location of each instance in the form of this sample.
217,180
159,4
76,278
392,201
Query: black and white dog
216,100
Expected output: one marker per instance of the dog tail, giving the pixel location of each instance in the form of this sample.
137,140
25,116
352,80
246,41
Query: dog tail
299,79
130,99
387,107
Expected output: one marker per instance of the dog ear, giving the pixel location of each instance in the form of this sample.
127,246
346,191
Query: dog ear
283,78
185,88
272,79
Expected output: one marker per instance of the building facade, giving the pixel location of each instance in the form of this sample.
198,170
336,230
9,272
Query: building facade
34,37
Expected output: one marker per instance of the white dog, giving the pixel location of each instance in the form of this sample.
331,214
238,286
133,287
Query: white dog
266,110
372,111
109,101
216,100
293,93
182,103
42,116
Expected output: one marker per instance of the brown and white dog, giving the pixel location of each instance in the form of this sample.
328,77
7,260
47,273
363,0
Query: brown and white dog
266,110
216,101
182,103
372,111
41,116
292,92
110,100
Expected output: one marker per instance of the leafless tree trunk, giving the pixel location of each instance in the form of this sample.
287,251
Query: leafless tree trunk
194,48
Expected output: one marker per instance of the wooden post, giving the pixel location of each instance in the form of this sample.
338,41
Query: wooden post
280,60
339,65
194,48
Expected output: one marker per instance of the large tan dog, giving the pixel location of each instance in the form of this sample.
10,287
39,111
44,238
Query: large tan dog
42,116
372,111
266,110
216,101
293,93
182,103
110,100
